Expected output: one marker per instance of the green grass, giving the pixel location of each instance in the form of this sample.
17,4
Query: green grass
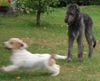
50,37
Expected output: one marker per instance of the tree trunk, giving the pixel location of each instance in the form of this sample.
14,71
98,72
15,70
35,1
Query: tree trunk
38,13
38,17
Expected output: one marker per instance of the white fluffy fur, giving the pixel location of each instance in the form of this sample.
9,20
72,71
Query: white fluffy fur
21,58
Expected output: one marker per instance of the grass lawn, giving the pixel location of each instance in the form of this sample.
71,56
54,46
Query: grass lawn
50,37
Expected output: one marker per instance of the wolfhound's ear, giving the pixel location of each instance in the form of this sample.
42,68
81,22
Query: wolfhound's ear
68,6
77,8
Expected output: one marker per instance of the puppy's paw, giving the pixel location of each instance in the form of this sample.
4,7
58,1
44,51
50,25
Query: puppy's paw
57,71
1,69
55,74
4,69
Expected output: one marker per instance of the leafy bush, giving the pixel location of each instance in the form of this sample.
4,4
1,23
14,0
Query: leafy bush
23,7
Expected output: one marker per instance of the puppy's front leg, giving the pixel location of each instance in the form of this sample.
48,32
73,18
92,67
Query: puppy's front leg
10,68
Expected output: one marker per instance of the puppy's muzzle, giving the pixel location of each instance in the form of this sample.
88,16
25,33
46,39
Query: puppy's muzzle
6,47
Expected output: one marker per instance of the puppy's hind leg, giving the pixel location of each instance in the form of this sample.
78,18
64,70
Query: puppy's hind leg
54,69
52,66
9,68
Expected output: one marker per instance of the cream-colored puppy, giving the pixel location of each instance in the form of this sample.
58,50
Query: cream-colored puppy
21,58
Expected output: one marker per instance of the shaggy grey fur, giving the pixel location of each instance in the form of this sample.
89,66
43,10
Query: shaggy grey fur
78,24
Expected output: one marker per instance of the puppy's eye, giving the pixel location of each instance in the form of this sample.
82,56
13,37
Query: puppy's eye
11,43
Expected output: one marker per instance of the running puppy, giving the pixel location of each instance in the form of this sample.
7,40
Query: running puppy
21,58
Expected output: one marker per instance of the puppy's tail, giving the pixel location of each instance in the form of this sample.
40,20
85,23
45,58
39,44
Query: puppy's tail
57,56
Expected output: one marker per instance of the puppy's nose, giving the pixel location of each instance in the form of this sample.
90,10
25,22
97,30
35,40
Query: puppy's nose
5,43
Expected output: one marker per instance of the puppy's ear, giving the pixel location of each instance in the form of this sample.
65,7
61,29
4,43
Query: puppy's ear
23,45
